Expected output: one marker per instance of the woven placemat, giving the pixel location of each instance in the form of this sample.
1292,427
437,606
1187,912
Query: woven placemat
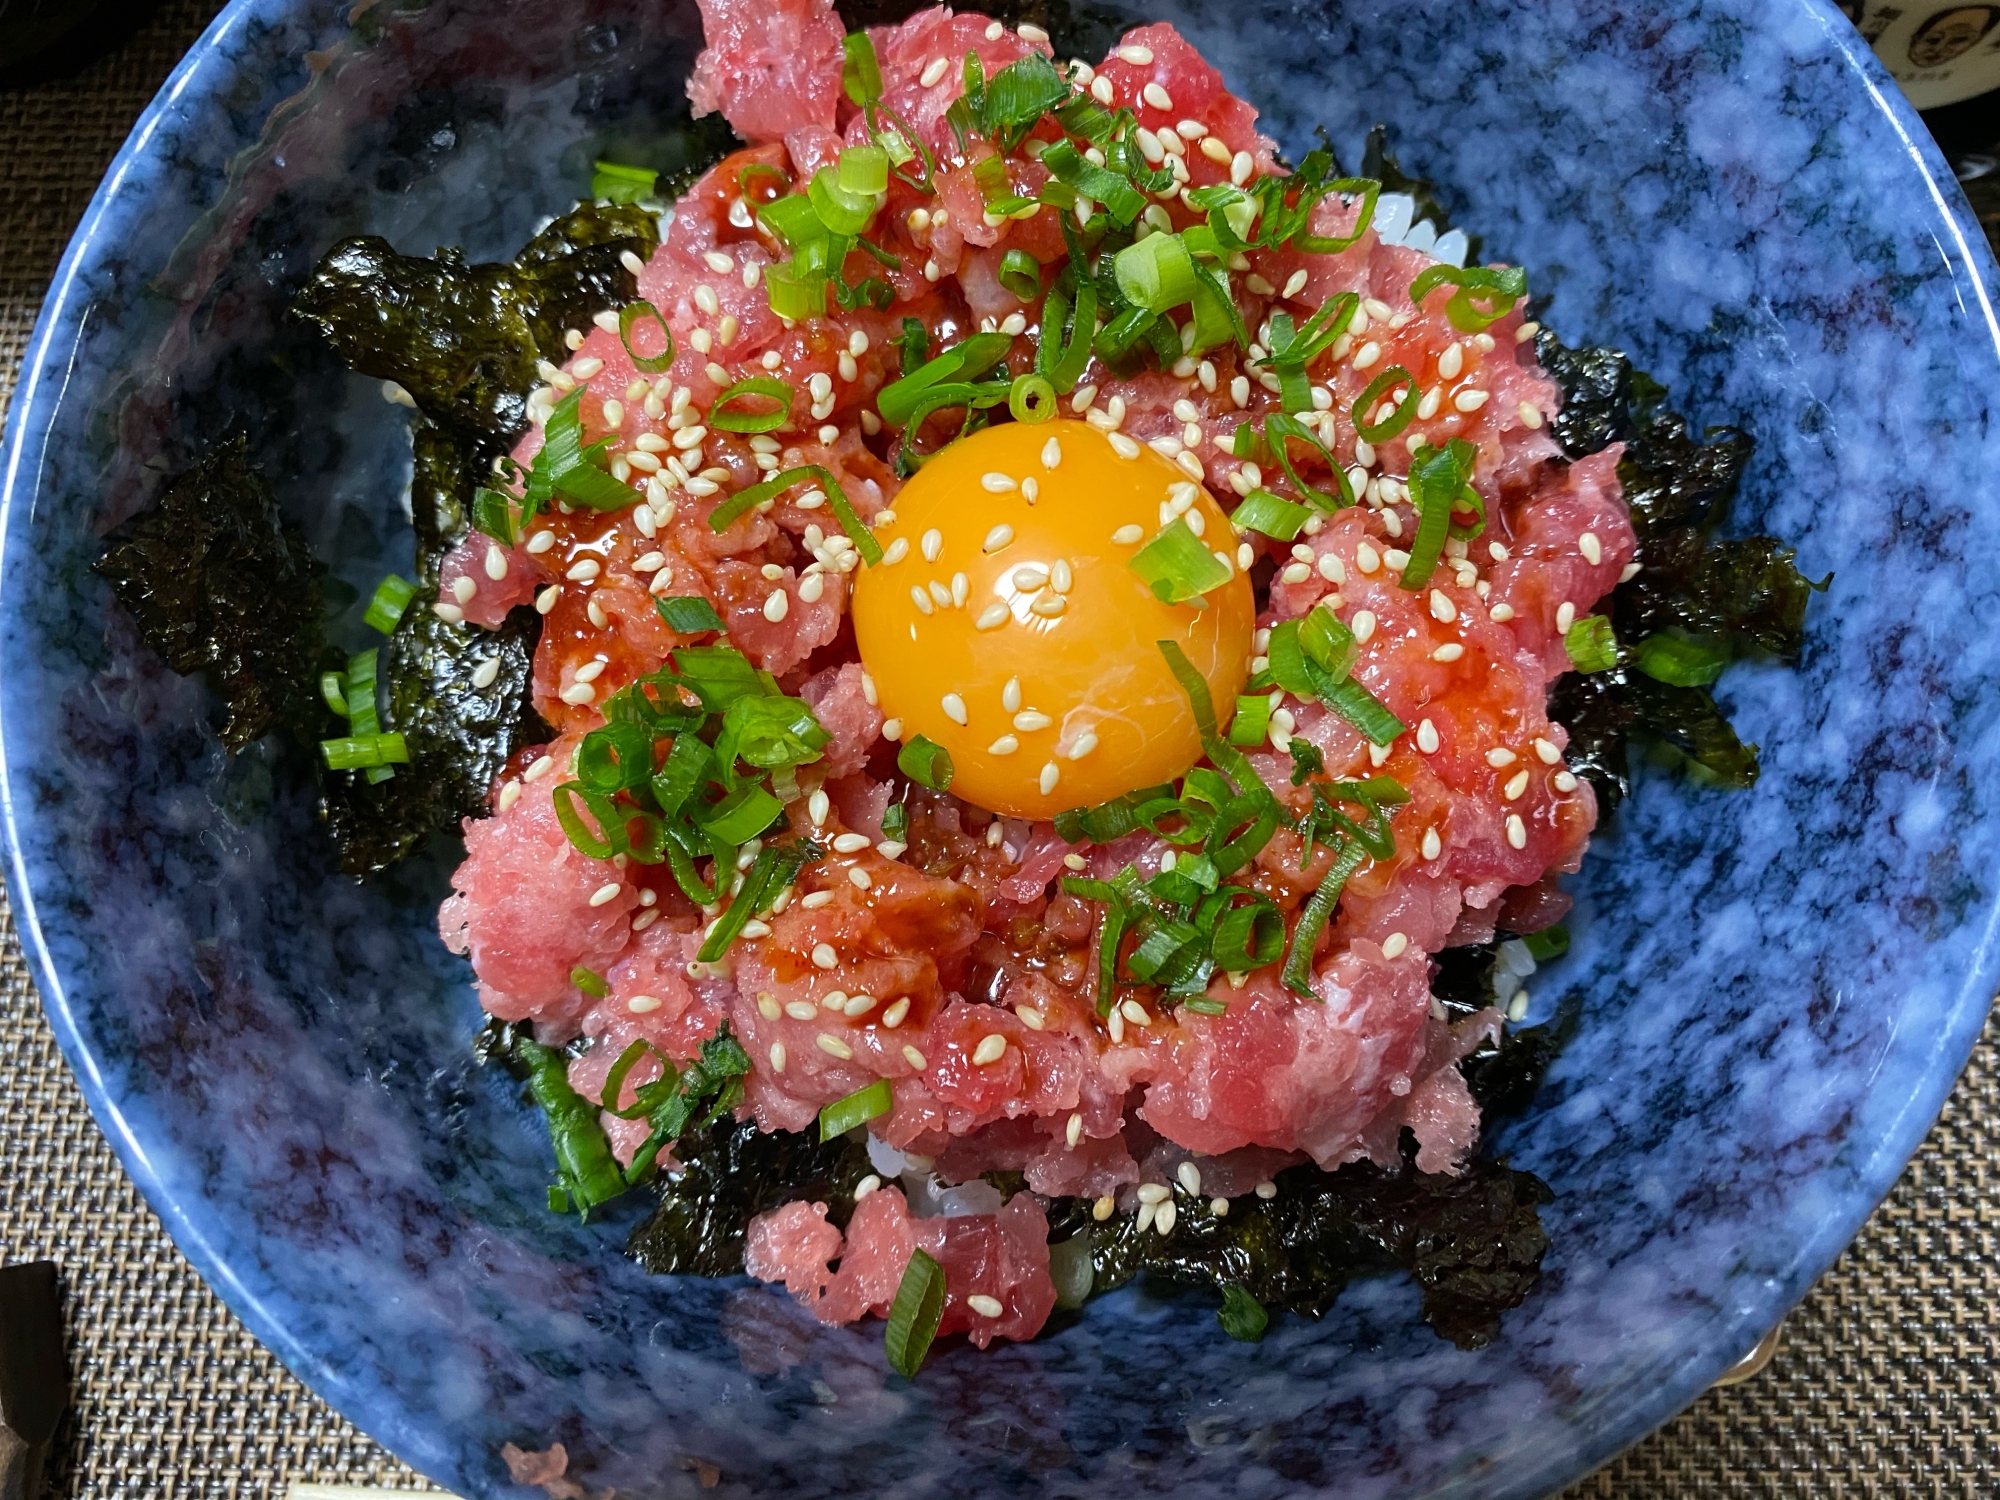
1888,1383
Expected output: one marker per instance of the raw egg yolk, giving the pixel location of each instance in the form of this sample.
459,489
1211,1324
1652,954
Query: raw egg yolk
1005,624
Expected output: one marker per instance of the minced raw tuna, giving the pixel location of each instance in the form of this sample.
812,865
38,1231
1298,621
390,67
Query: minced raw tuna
960,932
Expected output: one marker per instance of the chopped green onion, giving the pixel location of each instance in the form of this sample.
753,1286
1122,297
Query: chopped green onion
1249,937
1364,406
744,501
688,614
1021,274
1484,296
365,751
1678,661
1550,942
964,361
742,815
1323,244
1241,1315
860,72
1591,644
839,209
862,169
1156,273
767,386
795,297
1281,430
1364,711
587,1173
857,1108
628,318
565,467
1109,938
590,982
1019,94
1438,480
791,221
1251,724
1307,762
617,183
776,867
360,693
332,687
1031,399
1313,919
1327,642
925,763
493,515
1177,567
1265,512
1120,198
392,596
1203,1005
914,1315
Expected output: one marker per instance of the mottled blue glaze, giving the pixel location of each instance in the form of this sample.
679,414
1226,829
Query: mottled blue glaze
1779,985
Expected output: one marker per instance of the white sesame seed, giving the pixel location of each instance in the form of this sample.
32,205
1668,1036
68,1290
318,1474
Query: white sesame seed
890,848
1154,1192
991,618
1138,56
1395,945
1156,96
1062,578
1190,1177
910,1054
858,878
1564,781
1449,652
1530,414
1587,544
932,544
1565,616
1433,846
1126,536
1051,773
1122,445
954,708
833,1046
1499,757
1442,608
605,894
1629,572
824,957
1395,558
801,1010
1048,606
463,589
893,1016
892,730
996,483
922,600
777,605
814,900
1241,166
1470,400
1085,743
542,766
1546,752
578,694
587,368
1363,625
811,587
992,1047
851,843
509,795
1501,613
933,72
1517,831
1516,785
979,1302
777,1057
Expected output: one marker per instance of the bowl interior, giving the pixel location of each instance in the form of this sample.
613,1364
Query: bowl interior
1778,985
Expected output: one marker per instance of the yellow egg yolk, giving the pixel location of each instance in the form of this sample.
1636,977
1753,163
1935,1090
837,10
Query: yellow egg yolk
1006,625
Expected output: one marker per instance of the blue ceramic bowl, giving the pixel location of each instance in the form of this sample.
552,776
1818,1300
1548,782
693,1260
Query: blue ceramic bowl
1780,985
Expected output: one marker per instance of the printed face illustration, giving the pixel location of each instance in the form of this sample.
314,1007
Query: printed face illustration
1950,34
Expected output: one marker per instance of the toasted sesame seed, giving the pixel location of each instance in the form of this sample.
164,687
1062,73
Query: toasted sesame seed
910,1054
1103,1208
1363,625
1449,652
1587,544
824,957
1517,831
998,537
1051,774
851,843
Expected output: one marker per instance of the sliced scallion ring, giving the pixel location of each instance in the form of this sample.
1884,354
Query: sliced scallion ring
767,386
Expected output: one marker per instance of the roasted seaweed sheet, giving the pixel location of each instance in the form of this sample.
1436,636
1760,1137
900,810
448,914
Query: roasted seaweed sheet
221,583
463,341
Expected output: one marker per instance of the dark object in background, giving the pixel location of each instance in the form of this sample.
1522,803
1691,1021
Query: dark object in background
221,582
34,1375
44,40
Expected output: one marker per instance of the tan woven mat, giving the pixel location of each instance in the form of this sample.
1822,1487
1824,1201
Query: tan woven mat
1888,1383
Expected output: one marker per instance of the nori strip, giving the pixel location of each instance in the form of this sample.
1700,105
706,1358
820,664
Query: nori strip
220,582
1473,1243
729,1174
462,339
1742,595
459,736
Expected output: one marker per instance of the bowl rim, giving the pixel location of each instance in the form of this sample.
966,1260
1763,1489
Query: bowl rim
204,73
